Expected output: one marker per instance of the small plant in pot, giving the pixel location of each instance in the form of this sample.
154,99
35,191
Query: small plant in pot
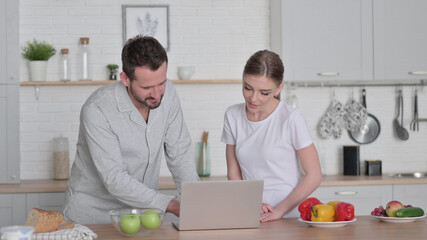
113,71
38,52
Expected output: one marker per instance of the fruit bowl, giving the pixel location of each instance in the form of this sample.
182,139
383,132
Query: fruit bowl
137,222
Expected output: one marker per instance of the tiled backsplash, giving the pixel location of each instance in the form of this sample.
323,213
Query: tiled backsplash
57,112
216,37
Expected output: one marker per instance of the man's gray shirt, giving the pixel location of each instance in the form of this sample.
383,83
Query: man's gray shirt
119,154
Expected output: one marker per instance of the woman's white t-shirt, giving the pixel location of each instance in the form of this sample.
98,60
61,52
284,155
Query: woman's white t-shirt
267,149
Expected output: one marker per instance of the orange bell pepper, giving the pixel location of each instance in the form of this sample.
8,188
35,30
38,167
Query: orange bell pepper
322,213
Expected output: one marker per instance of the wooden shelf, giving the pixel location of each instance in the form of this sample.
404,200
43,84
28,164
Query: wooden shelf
63,83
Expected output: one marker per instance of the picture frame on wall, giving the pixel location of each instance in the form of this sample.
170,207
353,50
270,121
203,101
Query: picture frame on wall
151,20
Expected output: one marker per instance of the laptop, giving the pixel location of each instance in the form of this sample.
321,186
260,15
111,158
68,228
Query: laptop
220,204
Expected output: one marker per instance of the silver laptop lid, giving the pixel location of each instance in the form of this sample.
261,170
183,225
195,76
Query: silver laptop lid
220,204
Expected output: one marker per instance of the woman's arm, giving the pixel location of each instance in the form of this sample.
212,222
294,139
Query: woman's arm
233,167
313,177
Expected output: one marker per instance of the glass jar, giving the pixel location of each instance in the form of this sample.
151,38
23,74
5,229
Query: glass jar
84,64
64,66
61,158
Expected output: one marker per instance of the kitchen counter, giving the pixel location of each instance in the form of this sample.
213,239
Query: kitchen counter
165,183
366,227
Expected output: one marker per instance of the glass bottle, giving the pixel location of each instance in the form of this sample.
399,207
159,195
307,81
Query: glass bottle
61,158
204,161
64,66
84,64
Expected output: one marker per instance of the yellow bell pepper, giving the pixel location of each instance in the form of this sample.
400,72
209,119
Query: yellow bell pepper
334,205
322,213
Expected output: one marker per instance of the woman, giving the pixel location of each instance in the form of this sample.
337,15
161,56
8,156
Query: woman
265,139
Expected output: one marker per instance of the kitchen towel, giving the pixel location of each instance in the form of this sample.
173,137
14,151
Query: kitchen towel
355,115
332,122
79,232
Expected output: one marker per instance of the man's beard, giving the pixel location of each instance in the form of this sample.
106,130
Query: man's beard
145,101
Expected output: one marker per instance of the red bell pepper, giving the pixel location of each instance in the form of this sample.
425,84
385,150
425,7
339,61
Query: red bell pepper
305,207
344,211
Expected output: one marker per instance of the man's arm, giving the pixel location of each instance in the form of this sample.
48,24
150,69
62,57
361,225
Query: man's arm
178,145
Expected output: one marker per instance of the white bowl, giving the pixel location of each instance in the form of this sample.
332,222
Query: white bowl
17,232
142,230
185,73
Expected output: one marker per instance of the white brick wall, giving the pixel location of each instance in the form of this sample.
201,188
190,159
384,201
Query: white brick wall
216,37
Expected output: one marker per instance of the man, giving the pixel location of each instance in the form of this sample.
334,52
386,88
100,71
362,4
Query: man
125,129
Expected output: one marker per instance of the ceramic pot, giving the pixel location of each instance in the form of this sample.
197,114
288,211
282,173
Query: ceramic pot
37,70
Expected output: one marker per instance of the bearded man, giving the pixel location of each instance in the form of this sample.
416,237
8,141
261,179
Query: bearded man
126,129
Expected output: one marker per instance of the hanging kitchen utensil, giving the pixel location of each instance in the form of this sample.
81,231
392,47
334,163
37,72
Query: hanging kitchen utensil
414,123
401,132
370,131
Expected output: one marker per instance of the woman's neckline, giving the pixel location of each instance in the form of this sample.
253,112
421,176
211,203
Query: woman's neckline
264,119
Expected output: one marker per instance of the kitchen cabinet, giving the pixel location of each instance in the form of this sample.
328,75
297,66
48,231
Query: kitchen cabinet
323,40
413,194
9,42
9,134
46,201
14,208
11,209
400,39
9,91
364,198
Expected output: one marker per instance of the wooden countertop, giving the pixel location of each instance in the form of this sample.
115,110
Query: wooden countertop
366,227
165,183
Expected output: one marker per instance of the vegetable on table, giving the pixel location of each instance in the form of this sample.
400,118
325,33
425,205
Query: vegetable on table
322,213
334,205
305,207
344,211
410,212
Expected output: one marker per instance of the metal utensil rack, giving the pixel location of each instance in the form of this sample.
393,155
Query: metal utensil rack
375,83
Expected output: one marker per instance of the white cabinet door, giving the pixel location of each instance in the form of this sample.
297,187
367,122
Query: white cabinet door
414,194
323,40
9,134
400,39
46,201
9,91
364,198
12,210
9,42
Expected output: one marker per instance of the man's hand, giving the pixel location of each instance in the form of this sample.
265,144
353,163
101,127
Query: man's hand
174,207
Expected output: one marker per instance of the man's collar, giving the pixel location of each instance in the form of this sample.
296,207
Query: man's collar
124,103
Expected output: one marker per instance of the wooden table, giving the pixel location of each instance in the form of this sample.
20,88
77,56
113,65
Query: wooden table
366,227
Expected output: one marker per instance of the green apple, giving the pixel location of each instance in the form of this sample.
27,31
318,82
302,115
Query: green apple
130,223
150,219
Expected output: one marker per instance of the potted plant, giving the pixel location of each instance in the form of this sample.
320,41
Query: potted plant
38,52
113,71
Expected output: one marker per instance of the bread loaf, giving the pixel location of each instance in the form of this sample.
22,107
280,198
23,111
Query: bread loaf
47,221
67,224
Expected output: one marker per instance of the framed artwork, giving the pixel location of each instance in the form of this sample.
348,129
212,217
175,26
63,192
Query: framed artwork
151,20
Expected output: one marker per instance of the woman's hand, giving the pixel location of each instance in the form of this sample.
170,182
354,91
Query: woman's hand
265,208
268,213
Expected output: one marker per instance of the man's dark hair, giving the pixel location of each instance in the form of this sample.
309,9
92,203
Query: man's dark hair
142,51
